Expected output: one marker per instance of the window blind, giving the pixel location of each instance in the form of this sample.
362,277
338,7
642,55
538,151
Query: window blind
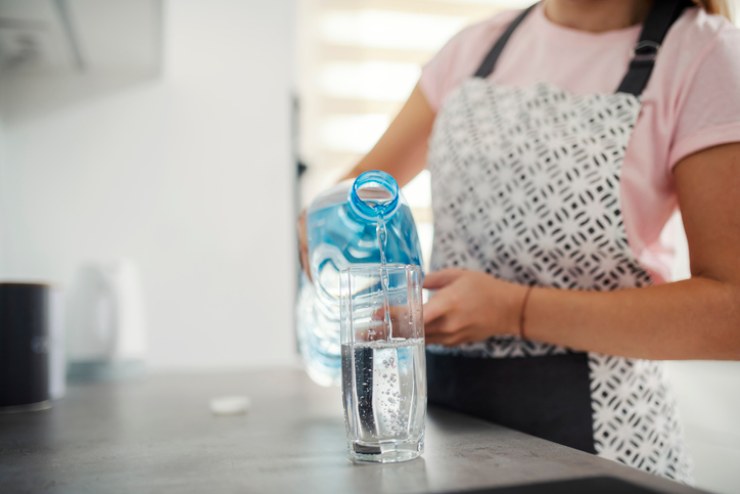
358,61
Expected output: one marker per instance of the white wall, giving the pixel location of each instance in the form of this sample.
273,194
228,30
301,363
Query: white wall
188,175
708,395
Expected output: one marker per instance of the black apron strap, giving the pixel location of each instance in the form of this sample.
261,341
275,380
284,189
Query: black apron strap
488,64
660,19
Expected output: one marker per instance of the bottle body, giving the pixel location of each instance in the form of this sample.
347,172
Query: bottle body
341,232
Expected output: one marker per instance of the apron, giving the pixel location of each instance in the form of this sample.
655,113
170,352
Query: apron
525,186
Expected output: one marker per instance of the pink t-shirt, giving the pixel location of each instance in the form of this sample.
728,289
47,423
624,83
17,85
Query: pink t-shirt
691,102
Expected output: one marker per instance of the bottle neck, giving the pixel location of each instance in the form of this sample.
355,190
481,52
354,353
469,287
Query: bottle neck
374,196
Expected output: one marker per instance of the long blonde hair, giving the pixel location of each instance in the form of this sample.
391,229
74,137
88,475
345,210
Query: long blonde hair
721,7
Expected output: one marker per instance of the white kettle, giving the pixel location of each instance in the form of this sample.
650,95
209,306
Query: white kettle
106,326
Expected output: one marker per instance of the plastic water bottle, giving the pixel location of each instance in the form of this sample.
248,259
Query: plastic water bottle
365,221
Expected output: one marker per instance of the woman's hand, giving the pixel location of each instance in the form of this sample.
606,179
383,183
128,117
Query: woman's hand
470,306
303,243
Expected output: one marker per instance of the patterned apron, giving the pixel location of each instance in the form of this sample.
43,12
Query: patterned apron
525,186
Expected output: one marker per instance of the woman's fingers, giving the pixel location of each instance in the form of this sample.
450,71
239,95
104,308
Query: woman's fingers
437,307
436,340
440,279
444,330
304,262
447,339
437,327
400,318
441,302
303,244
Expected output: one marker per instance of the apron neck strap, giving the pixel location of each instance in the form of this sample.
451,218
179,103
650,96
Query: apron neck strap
488,64
660,19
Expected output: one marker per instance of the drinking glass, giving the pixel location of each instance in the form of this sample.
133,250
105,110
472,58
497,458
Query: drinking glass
383,365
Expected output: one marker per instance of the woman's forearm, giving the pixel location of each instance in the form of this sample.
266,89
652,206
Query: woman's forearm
402,166
402,149
692,319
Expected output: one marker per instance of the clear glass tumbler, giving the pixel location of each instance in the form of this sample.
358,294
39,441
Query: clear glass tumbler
383,365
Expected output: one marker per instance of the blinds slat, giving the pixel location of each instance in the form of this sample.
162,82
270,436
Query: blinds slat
329,106
330,52
325,47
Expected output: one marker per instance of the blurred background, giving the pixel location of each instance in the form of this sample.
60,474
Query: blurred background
154,155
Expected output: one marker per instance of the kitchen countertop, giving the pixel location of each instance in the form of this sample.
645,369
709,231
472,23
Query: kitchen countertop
157,434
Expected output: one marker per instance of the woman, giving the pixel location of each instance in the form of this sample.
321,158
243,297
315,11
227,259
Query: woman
560,139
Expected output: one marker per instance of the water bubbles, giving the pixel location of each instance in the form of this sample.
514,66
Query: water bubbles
389,392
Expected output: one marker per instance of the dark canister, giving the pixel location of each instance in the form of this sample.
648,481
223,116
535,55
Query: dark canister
24,346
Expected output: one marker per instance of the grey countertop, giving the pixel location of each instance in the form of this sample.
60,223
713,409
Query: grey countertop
158,435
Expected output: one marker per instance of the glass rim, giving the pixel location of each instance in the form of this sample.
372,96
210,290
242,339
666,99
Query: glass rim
374,267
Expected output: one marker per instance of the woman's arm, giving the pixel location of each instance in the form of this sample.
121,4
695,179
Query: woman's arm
402,149
697,318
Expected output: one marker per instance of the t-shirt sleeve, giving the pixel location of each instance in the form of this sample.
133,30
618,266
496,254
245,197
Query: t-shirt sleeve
459,58
436,73
710,113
